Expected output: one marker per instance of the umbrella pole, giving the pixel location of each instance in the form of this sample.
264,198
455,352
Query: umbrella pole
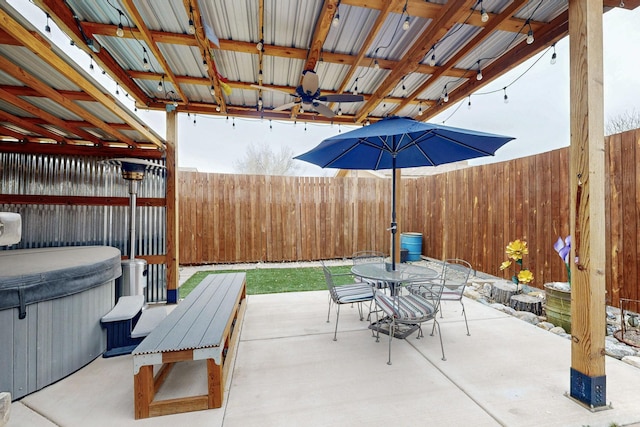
394,225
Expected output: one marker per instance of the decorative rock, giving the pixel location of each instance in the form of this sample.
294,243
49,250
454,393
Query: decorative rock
471,293
618,350
558,330
528,317
546,325
632,360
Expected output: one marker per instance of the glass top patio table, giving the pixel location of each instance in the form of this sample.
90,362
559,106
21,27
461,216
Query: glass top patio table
404,273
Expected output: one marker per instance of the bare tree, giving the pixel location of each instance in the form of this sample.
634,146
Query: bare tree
626,121
262,160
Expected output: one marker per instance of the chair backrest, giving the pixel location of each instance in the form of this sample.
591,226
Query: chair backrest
328,277
363,257
455,276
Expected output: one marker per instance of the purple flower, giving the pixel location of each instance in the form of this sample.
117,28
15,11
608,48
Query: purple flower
563,248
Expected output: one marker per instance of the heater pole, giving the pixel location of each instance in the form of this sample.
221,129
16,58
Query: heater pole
133,190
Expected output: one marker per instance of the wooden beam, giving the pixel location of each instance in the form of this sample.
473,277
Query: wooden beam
51,58
46,117
64,19
488,30
145,35
553,32
29,199
205,47
451,13
587,210
31,146
377,26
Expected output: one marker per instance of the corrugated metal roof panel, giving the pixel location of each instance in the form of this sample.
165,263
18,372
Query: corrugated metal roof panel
352,31
52,107
286,22
33,64
392,42
232,20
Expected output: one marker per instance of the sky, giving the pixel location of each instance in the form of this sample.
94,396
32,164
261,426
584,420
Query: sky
537,113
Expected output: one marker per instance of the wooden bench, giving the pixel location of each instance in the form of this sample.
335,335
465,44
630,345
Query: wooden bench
204,326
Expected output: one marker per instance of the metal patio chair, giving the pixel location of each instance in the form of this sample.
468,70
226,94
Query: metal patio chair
410,309
357,292
363,257
453,279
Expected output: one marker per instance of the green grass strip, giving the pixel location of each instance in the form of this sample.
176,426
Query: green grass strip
277,280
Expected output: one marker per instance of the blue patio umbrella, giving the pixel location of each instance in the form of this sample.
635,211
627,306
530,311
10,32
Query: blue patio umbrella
401,142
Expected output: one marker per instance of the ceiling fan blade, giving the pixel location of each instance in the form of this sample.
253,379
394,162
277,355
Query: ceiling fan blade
341,98
285,106
324,110
270,89
310,82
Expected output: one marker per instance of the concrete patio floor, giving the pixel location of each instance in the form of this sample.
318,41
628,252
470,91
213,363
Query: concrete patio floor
289,372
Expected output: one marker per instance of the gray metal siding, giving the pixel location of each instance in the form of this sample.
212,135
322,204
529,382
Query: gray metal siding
62,225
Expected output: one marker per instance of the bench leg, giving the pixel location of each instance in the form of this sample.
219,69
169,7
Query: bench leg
143,391
215,383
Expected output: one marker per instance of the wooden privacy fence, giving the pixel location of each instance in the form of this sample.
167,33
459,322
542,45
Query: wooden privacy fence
470,213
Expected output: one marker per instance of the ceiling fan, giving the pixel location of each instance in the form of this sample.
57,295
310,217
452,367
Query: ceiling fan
307,95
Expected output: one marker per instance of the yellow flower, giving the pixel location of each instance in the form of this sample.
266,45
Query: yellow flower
525,276
505,265
517,249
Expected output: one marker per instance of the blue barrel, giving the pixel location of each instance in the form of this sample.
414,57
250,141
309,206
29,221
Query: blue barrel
413,243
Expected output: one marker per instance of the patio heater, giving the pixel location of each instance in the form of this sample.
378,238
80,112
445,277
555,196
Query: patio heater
134,271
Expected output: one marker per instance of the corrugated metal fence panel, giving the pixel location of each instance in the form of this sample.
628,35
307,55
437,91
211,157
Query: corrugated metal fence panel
82,225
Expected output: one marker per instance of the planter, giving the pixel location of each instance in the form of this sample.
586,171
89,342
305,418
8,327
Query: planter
558,306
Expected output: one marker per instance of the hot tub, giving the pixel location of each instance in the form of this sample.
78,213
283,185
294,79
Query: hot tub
51,302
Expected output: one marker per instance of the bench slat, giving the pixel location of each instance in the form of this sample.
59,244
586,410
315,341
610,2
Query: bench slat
199,320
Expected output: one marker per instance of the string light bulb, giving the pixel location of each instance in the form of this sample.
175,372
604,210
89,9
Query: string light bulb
484,16
445,98
160,87
376,65
212,90
260,103
91,67
432,60
145,64
218,108
260,45
406,24
506,98
530,38
191,29
120,30
336,20
47,28
469,103
554,56
479,73
355,88
420,109
339,111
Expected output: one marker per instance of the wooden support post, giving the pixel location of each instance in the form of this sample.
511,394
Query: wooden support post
587,167
173,240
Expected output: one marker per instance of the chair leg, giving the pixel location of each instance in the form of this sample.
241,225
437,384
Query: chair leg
335,333
360,311
329,312
440,336
391,331
465,317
